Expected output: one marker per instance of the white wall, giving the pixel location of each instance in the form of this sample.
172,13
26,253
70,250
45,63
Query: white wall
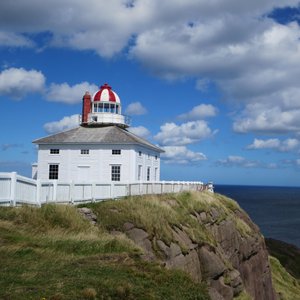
96,166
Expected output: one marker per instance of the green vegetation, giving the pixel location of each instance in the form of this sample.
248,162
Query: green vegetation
287,254
285,285
53,253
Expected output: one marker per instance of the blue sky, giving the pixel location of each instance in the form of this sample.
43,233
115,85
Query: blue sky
214,83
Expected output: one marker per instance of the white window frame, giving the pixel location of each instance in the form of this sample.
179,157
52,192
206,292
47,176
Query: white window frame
148,173
54,151
84,151
115,172
140,172
51,173
116,152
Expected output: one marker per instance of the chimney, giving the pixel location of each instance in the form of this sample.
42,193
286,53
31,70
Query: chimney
86,108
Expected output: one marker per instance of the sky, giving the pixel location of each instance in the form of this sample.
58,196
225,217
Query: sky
216,83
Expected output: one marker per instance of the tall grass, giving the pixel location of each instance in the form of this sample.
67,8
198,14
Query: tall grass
285,284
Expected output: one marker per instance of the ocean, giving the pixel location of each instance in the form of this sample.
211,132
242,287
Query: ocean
276,210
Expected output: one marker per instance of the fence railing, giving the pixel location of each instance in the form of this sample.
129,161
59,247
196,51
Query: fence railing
18,190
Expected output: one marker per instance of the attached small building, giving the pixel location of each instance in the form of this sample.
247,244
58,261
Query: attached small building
101,149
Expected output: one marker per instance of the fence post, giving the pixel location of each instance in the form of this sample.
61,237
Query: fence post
71,194
13,187
93,191
112,187
54,190
38,192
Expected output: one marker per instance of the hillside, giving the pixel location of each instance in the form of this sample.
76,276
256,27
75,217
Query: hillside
176,246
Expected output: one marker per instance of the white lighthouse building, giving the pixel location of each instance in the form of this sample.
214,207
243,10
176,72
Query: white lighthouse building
100,149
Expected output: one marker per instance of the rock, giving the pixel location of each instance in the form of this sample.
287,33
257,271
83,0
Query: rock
128,226
224,290
88,214
212,265
140,237
182,238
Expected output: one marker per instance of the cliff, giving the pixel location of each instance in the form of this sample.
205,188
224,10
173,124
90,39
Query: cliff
206,235
176,246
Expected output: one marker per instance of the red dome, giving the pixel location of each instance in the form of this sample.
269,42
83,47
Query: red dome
106,94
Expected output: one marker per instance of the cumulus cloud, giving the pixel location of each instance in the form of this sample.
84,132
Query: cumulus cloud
172,134
140,131
181,155
135,108
276,144
263,118
237,161
65,123
199,112
232,45
69,94
18,82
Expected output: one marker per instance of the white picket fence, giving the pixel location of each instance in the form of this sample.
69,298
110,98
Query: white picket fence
17,190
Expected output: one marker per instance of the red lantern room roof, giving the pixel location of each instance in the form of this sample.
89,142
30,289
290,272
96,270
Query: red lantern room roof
106,94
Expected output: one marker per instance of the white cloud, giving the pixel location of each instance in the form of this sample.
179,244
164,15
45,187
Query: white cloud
65,123
199,112
264,144
237,161
17,83
69,94
11,39
135,108
140,131
177,135
275,144
265,118
181,155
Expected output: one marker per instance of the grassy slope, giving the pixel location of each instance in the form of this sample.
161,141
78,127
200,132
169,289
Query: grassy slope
52,253
287,254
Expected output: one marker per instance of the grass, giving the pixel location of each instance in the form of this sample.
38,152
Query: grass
286,285
287,254
53,253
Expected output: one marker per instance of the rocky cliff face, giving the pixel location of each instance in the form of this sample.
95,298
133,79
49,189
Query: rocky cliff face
209,236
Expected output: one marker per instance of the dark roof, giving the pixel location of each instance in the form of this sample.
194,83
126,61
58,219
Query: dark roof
96,135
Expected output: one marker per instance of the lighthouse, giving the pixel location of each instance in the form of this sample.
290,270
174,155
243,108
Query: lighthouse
103,108
100,149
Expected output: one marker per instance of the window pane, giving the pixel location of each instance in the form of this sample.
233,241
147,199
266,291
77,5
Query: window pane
116,151
54,151
53,171
115,173
85,151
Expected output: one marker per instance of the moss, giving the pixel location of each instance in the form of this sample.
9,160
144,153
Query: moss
243,296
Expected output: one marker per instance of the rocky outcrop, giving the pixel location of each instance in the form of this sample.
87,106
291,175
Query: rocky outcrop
88,214
231,256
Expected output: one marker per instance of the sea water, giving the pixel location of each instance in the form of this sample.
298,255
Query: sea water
276,210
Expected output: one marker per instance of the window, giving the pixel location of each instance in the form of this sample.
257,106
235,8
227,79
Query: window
54,151
53,171
140,153
85,151
148,174
148,156
155,157
112,108
115,173
116,152
139,172
106,107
